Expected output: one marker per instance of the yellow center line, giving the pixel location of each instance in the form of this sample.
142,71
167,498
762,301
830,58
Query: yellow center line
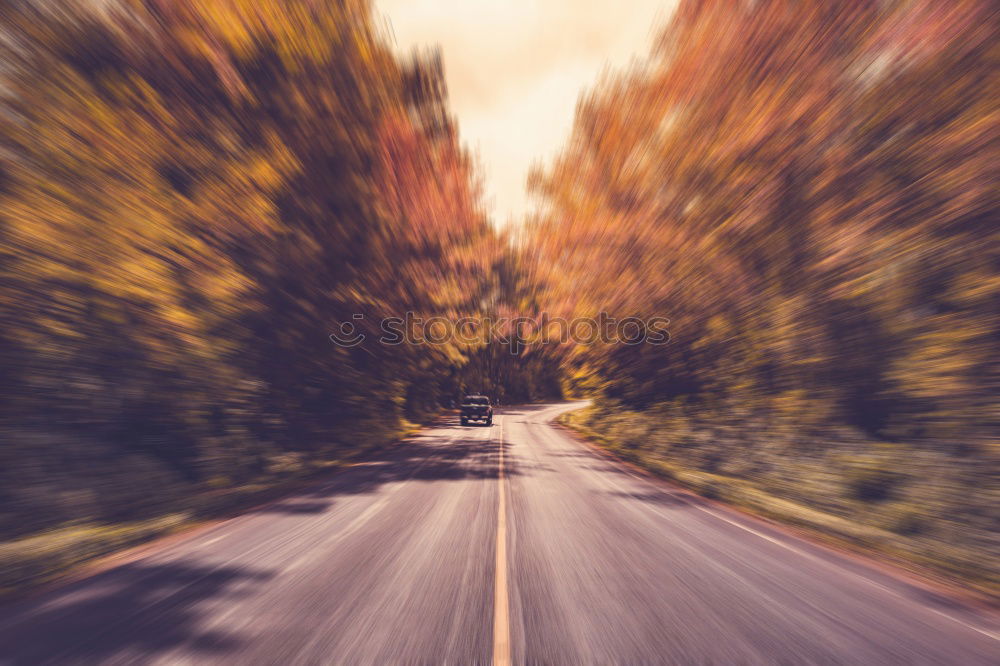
501,618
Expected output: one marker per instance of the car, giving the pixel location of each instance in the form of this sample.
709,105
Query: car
477,408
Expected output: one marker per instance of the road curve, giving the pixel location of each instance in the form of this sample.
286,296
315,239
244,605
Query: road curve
416,556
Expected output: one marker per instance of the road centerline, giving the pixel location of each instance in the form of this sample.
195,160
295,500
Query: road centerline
501,603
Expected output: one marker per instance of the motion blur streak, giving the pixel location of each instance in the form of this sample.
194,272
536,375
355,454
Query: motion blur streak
195,195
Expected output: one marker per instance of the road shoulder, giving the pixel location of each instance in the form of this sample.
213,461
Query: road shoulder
837,536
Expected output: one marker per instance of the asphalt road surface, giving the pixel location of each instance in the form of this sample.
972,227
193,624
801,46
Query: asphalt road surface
475,545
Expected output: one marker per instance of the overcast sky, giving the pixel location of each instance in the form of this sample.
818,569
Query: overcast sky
515,69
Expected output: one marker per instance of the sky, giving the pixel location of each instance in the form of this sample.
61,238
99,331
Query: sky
516,68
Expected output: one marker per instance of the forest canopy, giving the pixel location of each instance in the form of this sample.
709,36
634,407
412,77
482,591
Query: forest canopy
194,196
808,191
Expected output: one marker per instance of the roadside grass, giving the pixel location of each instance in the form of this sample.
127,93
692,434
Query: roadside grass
899,506
48,556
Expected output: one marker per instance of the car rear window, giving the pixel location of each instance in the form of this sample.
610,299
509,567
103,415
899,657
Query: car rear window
475,400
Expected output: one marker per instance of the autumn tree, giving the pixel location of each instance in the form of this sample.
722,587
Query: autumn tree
804,189
194,196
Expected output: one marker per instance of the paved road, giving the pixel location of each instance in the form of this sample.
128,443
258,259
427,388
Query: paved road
432,554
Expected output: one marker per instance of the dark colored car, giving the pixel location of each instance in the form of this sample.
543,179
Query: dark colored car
477,408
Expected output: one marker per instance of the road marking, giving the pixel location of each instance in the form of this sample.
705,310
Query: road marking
501,616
